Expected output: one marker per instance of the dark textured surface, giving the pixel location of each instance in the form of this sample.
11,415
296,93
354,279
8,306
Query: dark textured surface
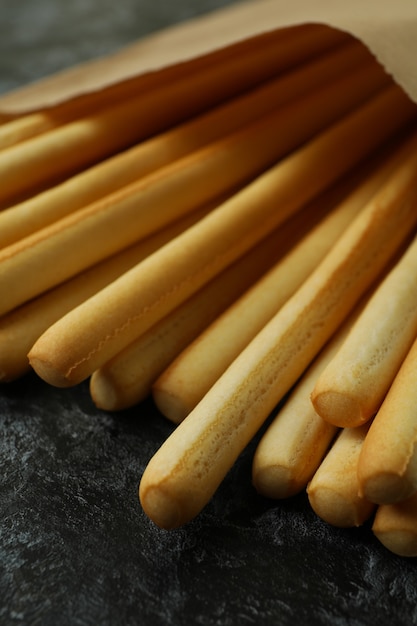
75,547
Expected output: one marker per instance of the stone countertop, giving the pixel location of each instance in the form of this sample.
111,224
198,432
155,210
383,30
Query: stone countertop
75,546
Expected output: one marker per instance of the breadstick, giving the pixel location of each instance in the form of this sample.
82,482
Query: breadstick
122,169
163,281
352,387
34,123
19,127
44,259
25,127
395,526
294,444
21,328
127,378
333,490
184,474
387,468
73,146
179,389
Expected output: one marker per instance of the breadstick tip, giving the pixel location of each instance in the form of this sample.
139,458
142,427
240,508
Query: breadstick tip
337,408
275,482
103,393
170,405
401,542
395,527
47,372
160,506
385,487
335,509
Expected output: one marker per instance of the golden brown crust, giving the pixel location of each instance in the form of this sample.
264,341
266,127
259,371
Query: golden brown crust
388,463
395,526
354,384
333,491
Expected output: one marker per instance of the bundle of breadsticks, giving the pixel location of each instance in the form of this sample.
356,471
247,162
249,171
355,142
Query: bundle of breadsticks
239,244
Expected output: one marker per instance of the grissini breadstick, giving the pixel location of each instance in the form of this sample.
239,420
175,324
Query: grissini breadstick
75,145
34,123
187,379
353,385
144,295
294,444
127,379
22,126
395,526
387,469
44,259
185,472
124,168
333,490
25,127
21,328
17,128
